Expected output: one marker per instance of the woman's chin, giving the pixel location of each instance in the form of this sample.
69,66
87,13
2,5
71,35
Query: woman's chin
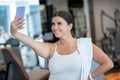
57,36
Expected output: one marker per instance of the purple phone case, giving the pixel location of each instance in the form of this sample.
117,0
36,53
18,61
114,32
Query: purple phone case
20,12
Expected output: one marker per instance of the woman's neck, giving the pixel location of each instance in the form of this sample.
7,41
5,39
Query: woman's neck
68,40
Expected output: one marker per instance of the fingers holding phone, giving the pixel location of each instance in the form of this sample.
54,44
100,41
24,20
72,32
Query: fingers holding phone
18,22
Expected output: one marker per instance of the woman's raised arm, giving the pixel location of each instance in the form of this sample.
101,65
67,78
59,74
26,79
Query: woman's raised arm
41,48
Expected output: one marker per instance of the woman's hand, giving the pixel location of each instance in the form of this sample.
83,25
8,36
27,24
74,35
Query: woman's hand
16,24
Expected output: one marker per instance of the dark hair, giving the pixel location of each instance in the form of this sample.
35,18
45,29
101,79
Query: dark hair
67,16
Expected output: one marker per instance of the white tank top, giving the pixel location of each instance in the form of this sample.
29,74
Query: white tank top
67,67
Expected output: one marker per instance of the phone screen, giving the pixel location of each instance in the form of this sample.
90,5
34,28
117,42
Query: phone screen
20,12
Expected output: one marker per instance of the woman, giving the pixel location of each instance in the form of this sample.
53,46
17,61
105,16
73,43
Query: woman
69,58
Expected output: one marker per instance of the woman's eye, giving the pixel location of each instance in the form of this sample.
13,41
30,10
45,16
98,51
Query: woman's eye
53,24
59,23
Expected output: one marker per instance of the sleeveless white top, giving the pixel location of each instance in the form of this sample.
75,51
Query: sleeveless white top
74,66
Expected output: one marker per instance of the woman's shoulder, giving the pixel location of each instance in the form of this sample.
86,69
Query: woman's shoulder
52,47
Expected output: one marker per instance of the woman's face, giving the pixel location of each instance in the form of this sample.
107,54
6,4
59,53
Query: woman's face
60,27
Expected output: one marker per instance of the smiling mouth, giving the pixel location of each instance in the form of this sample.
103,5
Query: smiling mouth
55,32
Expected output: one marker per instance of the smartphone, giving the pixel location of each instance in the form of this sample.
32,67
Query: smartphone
20,12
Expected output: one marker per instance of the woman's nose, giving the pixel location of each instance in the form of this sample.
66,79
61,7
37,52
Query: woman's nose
55,27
